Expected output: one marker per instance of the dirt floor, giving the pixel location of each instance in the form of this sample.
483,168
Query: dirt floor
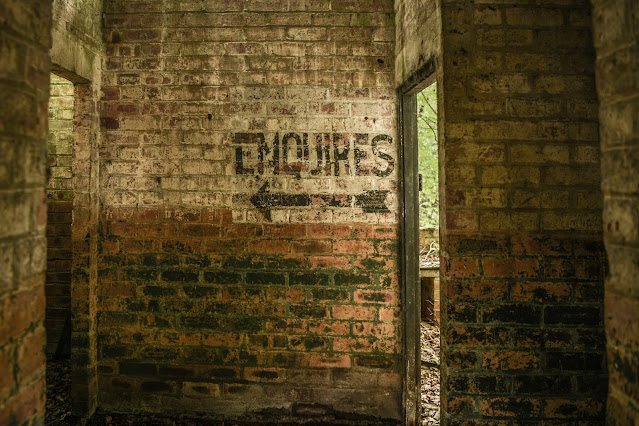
59,409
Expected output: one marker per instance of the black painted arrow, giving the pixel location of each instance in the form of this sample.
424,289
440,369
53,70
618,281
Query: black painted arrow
264,200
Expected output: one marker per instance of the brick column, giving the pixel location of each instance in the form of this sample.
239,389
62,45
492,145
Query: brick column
616,35
522,289
24,84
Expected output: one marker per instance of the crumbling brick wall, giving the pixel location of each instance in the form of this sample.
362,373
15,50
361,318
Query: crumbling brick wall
615,35
522,289
59,209
24,80
250,223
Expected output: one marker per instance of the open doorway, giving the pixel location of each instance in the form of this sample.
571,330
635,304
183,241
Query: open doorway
72,239
420,235
428,168
59,217
60,197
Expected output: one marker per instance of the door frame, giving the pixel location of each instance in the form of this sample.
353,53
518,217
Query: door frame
409,275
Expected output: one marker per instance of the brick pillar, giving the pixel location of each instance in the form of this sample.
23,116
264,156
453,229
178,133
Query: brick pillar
522,289
24,84
615,35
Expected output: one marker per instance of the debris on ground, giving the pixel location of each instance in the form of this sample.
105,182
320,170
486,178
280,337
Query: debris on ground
58,408
430,373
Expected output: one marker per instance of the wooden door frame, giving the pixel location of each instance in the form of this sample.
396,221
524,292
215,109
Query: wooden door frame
409,187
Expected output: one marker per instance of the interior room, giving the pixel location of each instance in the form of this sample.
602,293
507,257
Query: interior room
212,212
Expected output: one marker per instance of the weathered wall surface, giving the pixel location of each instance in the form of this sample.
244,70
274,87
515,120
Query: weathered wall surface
249,256
522,289
615,35
77,36
76,54
418,36
24,80
59,207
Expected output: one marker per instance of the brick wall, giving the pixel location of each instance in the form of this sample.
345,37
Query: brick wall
522,289
77,38
249,251
418,36
615,35
59,207
24,80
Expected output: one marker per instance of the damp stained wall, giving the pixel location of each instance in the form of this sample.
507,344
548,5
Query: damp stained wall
615,40
250,216
522,245
418,36
24,83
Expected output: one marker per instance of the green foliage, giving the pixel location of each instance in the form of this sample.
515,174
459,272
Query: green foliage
428,157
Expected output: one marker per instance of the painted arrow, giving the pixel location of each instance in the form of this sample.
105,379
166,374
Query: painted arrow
264,200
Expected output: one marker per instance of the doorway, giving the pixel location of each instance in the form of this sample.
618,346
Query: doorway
59,217
428,187
72,244
420,234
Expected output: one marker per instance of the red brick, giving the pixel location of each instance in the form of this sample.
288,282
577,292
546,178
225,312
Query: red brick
264,374
463,267
531,245
285,231
31,358
330,262
540,291
507,268
389,314
511,407
352,345
311,247
574,408
243,231
331,361
285,295
200,230
329,231
352,247
510,360
353,312
269,246
330,327
379,330
478,289
376,297
156,231
6,374
462,221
